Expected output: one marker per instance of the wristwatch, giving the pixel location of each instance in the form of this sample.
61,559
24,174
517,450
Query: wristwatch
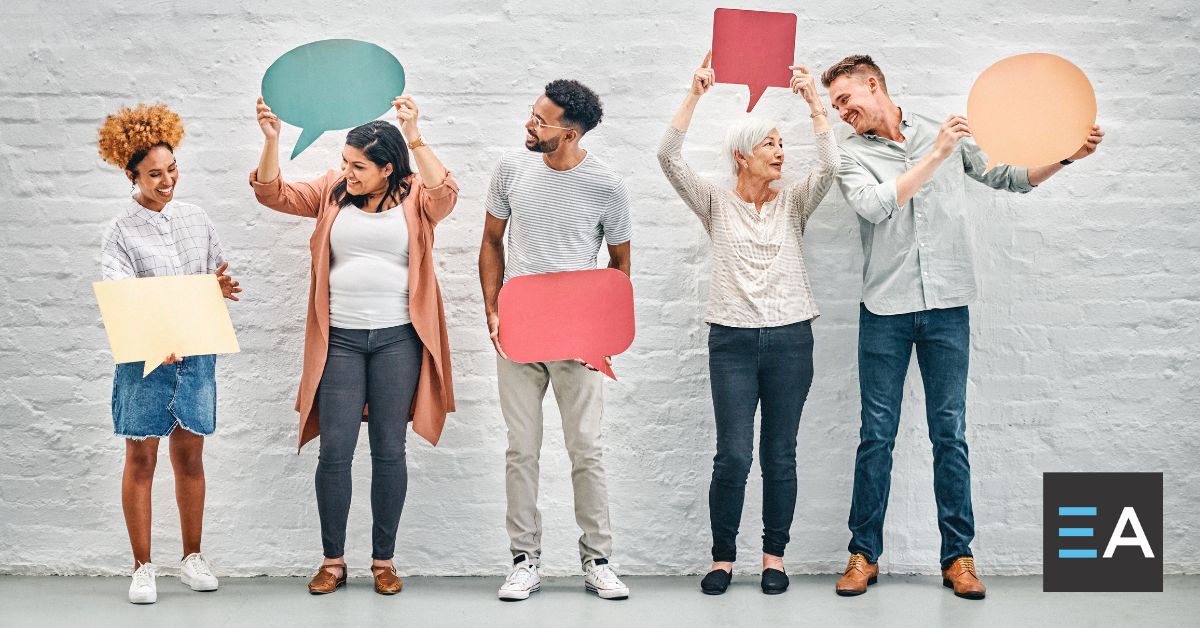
1066,162
417,143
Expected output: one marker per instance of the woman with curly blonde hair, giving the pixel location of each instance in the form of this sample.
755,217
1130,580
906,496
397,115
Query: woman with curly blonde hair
154,236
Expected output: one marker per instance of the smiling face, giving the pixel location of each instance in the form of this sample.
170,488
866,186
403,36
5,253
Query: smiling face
362,175
860,101
155,177
765,161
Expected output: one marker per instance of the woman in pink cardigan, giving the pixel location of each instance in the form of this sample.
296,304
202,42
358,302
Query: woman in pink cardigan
376,331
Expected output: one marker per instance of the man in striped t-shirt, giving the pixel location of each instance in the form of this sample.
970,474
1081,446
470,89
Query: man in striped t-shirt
558,203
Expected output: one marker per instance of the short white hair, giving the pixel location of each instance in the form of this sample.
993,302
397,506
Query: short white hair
744,135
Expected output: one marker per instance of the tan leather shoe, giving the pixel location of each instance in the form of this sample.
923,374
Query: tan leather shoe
386,580
325,581
961,577
858,574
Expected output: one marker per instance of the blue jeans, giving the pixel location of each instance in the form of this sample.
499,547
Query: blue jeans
885,345
748,366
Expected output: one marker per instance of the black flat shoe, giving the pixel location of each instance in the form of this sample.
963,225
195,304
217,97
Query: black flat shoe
716,581
774,581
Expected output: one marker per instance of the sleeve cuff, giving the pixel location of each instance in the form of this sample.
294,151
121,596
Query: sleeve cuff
885,193
1020,179
448,187
263,190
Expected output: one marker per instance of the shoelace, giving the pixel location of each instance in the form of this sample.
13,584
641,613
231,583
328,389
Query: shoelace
606,575
520,576
968,564
143,576
199,564
856,562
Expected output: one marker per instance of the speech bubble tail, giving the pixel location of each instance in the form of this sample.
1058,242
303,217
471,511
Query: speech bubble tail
150,365
755,94
602,366
307,137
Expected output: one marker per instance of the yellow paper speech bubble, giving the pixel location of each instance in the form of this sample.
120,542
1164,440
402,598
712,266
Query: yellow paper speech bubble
1031,110
152,317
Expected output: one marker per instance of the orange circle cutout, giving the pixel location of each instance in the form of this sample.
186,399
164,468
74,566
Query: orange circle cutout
1031,110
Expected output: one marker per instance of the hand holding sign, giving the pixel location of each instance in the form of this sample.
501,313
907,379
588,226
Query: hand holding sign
331,84
586,315
1033,110
753,48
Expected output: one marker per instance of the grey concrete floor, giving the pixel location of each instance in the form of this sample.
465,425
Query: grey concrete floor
654,601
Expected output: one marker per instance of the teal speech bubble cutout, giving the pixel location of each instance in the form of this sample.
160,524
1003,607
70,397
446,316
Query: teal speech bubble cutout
331,84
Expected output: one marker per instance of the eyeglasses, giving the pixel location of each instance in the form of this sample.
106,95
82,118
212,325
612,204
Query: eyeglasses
538,124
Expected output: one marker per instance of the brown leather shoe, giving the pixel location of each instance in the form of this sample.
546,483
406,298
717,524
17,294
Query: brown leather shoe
386,580
325,581
858,574
961,577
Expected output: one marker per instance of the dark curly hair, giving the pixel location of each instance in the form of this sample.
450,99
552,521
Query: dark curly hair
581,106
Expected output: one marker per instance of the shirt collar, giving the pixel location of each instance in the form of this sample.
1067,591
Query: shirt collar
136,209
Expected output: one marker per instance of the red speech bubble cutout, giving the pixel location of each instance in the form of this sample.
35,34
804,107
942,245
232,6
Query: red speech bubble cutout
753,48
586,314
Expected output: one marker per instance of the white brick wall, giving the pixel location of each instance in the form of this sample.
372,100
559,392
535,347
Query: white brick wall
1085,338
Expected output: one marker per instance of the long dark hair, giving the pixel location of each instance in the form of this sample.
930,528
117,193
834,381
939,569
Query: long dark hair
383,144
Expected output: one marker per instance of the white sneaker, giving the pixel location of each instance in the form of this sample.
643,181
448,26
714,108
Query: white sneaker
521,582
603,581
143,590
195,572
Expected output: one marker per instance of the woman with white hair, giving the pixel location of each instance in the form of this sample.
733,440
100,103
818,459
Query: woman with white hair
760,310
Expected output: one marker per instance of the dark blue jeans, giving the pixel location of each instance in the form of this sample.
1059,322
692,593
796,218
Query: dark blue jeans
379,368
885,345
774,366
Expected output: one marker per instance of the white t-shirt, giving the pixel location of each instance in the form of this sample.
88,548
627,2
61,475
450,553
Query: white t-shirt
368,272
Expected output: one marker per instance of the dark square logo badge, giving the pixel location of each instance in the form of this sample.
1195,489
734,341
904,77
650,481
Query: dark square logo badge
1102,531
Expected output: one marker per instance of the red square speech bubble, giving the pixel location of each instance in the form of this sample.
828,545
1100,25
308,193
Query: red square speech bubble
586,314
753,48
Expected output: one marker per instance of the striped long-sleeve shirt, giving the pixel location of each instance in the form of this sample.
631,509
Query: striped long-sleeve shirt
758,274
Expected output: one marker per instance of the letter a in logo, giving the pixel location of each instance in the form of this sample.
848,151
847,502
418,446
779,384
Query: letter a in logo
1128,517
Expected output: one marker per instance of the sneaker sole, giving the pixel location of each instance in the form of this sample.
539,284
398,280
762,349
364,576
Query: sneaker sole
197,587
517,596
870,582
607,595
966,596
149,600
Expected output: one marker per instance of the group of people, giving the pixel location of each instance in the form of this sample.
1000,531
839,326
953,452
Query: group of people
376,349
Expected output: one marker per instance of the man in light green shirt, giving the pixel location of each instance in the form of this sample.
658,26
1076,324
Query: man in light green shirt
907,177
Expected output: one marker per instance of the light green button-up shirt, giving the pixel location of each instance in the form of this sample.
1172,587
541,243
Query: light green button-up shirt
917,256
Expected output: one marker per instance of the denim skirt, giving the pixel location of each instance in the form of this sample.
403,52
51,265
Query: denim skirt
184,394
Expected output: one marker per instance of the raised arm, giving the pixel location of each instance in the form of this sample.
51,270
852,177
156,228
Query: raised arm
812,189
298,199
696,193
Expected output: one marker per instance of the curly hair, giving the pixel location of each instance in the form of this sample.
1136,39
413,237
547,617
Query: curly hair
854,64
581,106
128,135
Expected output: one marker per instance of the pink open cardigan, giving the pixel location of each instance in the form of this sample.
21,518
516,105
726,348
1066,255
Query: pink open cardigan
423,208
